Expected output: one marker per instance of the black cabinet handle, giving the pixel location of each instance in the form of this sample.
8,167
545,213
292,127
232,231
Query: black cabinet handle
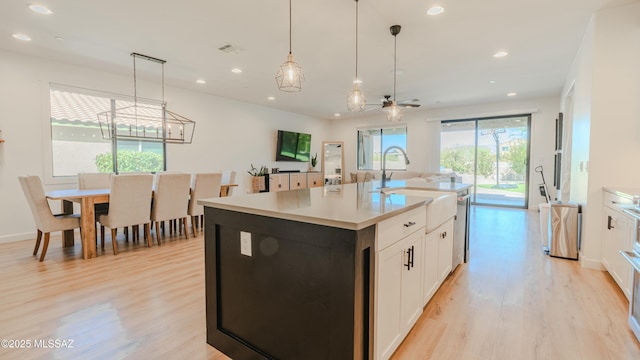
412,251
609,223
409,224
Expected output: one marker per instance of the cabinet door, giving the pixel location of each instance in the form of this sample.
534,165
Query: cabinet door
297,181
278,182
445,249
388,298
412,304
430,273
610,227
621,267
314,179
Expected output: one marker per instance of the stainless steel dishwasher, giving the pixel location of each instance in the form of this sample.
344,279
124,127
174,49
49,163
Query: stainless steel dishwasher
564,239
461,230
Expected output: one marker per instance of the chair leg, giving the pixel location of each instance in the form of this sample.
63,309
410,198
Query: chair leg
126,233
38,239
183,225
202,221
158,232
114,242
193,225
147,234
45,246
102,236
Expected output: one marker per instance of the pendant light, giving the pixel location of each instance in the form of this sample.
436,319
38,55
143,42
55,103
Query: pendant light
356,100
394,114
289,77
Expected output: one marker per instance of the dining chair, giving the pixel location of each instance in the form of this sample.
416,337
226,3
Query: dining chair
129,204
45,220
171,201
92,181
204,185
229,177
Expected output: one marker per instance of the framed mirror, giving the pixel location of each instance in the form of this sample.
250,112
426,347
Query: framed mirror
333,162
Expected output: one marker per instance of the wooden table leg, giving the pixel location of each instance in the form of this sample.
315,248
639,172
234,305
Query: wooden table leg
88,224
67,236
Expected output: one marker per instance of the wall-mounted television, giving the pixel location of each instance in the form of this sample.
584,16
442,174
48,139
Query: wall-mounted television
293,146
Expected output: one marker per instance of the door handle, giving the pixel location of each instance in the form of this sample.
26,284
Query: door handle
610,221
408,264
409,224
413,251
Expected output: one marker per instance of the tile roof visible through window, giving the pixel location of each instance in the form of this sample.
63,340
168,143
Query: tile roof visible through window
73,107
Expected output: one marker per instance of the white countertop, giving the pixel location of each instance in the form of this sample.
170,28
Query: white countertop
624,192
348,206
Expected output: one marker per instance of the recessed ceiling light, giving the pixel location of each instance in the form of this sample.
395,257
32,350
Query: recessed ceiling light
236,70
337,114
40,9
512,94
201,81
22,37
435,10
271,98
60,38
500,54
492,81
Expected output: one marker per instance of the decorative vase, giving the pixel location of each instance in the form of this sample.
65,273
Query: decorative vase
258,183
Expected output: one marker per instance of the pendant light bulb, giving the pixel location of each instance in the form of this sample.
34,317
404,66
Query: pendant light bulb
290,77
356,100
394,114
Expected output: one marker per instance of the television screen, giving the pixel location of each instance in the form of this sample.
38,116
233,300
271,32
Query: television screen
293,146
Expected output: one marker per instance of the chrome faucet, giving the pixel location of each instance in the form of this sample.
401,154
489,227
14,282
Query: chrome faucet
384,163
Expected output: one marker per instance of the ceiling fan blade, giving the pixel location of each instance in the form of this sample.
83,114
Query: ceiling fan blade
409,105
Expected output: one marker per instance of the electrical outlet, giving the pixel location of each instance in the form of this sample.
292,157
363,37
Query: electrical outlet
245,243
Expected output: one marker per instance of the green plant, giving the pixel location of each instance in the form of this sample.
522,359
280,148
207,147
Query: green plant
258,172
130,161
314,160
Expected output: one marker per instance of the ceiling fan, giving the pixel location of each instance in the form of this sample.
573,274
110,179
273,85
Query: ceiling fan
388,103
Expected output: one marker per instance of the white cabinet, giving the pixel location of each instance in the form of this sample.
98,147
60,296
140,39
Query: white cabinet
297,181
278,182
617,236
398,279
437,256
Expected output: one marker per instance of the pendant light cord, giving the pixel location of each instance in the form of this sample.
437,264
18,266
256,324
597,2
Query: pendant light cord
356,41
289,26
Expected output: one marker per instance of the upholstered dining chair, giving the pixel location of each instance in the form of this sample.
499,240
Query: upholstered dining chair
46,222
129,204
205,185
92,181
229,177
171,200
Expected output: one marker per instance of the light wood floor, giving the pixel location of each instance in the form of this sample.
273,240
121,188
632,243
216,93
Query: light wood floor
509,302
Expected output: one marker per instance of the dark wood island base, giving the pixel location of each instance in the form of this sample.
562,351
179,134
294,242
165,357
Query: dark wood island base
304,292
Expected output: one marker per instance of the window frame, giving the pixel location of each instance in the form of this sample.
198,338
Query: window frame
47,136
380,128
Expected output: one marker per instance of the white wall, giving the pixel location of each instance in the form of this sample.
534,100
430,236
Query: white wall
607,71
423,140
230,135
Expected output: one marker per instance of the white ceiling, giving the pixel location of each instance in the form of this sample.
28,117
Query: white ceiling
445,60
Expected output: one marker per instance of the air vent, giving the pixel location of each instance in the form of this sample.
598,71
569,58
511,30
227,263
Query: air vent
230,49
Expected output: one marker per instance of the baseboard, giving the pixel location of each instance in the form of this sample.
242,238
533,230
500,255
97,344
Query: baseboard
591,264
17,237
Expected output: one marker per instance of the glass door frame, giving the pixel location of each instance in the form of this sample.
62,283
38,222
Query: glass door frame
473,198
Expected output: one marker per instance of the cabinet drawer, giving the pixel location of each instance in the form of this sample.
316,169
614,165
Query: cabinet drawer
393,229
611,200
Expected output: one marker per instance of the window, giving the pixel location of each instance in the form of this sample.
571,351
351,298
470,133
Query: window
372,143
77,144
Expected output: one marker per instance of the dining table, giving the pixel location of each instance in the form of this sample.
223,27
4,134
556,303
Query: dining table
87,199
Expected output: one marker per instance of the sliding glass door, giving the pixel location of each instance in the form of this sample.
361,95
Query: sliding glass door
492,154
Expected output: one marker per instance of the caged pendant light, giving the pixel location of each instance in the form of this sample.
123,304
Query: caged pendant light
144,122
356,100
289,77
394,114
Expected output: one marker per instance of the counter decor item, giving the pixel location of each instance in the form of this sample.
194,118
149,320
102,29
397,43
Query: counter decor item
258,178
314,162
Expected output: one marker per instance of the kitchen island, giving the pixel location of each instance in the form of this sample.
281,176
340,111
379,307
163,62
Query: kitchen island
290,275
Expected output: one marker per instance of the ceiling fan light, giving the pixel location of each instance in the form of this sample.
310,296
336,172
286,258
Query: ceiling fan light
290,76
394,113
356,100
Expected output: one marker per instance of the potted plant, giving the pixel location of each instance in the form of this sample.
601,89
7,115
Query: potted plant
314,162
258,178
